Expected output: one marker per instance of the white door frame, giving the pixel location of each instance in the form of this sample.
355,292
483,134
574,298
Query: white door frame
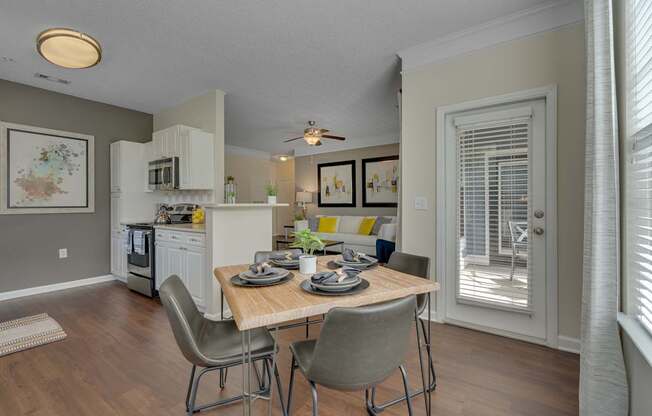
549,93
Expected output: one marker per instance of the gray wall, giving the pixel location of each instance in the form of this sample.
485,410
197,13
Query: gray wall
305,174
29,243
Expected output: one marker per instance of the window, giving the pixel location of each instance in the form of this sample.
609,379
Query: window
638,166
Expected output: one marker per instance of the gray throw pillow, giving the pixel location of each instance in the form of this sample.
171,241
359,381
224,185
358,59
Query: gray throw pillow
313,224
379,222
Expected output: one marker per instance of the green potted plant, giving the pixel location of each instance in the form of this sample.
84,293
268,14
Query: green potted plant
308,242
272,191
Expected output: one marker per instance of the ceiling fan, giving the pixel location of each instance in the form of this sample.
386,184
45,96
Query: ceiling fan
313,135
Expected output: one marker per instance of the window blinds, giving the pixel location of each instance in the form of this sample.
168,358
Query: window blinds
492,216
638,169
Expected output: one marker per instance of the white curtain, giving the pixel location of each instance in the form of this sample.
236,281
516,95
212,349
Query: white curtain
603,383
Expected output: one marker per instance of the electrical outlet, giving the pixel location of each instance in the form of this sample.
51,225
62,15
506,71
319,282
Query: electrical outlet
63,253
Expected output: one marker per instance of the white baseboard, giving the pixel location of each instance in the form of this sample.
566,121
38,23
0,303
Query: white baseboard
122,279
569,344
13,294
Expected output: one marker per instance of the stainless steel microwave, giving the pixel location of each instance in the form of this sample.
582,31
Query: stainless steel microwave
164,174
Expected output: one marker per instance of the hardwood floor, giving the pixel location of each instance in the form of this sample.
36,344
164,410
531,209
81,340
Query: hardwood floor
120,359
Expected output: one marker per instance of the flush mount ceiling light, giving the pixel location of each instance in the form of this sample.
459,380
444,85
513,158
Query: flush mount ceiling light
68,48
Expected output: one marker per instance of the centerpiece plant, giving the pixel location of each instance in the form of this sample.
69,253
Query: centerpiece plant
308,242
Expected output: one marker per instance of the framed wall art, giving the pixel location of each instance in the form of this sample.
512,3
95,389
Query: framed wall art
336,182
45,171
380,182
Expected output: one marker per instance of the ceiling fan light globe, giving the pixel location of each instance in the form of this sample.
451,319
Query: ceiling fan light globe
311,140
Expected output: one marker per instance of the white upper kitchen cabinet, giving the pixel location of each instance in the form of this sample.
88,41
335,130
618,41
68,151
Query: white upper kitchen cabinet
194,148
129,202
127,166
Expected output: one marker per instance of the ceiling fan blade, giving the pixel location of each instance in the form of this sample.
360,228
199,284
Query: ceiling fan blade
291,140
329,136
322,131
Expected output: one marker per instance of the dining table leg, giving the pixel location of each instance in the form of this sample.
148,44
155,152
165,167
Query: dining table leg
428,392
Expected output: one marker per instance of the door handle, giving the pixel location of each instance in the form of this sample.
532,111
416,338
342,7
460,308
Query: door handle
538,231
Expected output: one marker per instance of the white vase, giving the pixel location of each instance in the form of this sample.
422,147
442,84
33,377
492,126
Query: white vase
307,264
271,199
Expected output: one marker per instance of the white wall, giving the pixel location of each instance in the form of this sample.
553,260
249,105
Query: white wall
554,57
205,112
252,170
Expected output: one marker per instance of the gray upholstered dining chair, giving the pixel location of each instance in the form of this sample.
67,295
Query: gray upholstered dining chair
212,345
357,349
417,266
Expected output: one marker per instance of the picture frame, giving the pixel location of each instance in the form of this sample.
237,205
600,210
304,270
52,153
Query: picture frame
45,171
380,177
336,184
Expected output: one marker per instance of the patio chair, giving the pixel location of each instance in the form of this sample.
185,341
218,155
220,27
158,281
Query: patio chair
518,232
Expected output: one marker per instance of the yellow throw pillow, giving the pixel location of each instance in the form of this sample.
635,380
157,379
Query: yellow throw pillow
366,225
327,225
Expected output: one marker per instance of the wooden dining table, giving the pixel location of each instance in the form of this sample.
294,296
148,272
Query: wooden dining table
272,306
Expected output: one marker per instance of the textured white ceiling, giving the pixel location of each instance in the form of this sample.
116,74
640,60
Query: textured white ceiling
280,62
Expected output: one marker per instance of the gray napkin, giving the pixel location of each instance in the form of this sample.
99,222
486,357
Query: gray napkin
261,269
284,255
351,255
346,275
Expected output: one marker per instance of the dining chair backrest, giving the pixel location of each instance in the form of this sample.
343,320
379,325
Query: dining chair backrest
185,319
411,264
360,347
265,255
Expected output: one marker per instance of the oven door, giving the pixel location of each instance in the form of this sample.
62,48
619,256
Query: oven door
140,259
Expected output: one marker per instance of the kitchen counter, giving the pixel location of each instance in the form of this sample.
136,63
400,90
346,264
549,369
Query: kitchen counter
245,205
192,228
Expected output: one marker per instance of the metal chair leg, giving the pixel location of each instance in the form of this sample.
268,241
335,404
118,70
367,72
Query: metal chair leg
223,375
192,379
279,386
291,385
190,408
307,327
377,408
433,385
313,390
511,274
407,390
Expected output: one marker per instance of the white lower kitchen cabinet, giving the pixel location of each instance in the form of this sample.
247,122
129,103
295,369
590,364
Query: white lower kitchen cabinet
119,254
195,272
176,256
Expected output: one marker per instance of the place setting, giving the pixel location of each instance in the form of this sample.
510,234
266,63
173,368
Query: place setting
353,259
262,274
345,281
286,259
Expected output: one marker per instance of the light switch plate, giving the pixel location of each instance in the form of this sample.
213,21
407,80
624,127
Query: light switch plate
63,253
421,203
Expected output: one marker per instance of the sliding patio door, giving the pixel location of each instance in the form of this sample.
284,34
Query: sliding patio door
496,193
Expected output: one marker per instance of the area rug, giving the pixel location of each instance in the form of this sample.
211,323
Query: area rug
29,332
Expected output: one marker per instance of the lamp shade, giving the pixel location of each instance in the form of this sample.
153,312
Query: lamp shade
304,197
